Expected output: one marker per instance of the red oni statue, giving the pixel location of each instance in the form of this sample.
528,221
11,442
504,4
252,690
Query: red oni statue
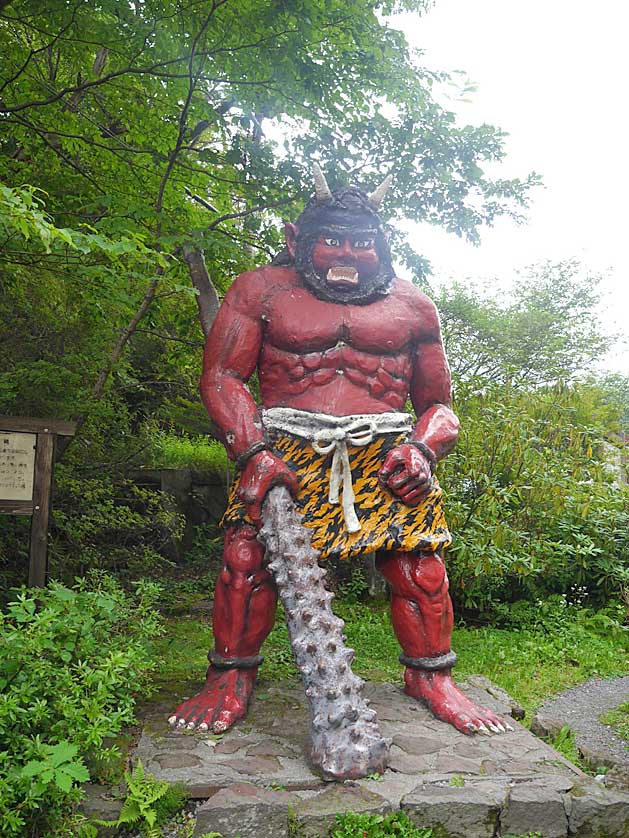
339,344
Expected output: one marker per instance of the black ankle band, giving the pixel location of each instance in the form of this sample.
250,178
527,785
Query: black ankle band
446,661
234,663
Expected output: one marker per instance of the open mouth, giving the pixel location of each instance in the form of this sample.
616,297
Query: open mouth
342,275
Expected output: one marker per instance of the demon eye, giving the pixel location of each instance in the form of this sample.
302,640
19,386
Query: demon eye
363,244
332,242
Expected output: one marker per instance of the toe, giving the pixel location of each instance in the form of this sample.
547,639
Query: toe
225,719
465,724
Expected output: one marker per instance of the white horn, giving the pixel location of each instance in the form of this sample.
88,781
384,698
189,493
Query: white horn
322,190
375,199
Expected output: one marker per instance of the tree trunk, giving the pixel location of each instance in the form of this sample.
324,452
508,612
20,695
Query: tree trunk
207,297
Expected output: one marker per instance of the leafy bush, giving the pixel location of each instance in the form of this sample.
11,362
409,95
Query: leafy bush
71,661
530,499
110,525
397,825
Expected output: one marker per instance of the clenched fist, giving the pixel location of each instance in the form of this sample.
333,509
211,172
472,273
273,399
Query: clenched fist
406,472
261,472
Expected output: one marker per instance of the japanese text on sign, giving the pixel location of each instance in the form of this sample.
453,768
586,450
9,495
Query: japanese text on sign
17,465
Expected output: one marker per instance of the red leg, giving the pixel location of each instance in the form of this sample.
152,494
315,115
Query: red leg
244,613
421,613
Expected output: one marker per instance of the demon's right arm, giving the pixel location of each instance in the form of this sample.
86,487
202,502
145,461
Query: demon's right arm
231,355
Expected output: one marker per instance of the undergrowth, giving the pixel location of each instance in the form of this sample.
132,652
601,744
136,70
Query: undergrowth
397,825
72,661
564,743
148,803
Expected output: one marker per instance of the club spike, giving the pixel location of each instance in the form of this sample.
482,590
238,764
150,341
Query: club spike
322,190
376,197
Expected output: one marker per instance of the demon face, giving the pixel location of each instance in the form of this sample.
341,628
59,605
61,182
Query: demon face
339,249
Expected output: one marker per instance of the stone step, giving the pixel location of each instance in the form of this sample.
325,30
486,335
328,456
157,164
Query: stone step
258,781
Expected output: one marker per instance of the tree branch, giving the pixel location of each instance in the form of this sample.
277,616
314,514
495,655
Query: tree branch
207,296
245,213
195,343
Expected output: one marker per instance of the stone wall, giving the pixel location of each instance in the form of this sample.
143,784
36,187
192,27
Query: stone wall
200,496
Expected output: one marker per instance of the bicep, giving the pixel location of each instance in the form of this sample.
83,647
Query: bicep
430,381
235,340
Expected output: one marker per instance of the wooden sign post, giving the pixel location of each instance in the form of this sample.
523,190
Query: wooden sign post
26,455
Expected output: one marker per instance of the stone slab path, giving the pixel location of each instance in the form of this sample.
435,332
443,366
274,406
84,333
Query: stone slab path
580,709
258,781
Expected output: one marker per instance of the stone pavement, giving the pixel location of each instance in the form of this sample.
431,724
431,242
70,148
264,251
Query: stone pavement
259,783
580,709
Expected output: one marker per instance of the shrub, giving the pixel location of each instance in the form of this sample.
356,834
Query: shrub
71,661
396,825
530,499
109,524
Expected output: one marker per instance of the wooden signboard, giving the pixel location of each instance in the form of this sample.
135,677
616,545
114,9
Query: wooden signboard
26,455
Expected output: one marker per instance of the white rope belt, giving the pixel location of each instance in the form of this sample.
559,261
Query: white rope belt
332,435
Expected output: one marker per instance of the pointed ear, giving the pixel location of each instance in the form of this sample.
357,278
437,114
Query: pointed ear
291,231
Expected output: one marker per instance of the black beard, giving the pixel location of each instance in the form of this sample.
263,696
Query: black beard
367,291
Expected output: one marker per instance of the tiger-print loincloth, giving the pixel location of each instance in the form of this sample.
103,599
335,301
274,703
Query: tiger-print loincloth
386,523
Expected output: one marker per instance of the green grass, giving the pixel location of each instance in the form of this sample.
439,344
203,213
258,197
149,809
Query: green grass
201,453
531,664
565,743
618,719
182,650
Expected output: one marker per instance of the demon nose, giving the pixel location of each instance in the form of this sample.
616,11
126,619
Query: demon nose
346,252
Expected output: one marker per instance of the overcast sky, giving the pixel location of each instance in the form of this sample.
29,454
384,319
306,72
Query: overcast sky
553,74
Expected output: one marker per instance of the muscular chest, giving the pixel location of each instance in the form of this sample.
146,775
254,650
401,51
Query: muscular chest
299,323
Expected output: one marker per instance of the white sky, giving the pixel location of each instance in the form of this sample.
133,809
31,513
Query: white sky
553,74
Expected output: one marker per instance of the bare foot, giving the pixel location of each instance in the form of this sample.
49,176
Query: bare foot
222,701
442,696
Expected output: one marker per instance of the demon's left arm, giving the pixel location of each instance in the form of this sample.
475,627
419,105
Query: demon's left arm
407,469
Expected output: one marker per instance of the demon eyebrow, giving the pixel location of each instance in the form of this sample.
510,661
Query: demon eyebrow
330,230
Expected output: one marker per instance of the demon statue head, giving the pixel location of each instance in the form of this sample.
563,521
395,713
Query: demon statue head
338,245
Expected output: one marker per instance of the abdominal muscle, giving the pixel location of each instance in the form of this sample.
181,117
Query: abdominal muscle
332,384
